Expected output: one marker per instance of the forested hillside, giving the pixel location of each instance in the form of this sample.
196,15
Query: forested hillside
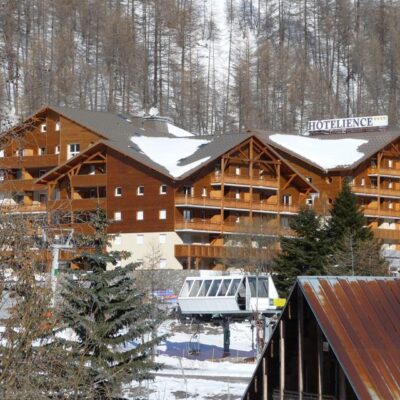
215,66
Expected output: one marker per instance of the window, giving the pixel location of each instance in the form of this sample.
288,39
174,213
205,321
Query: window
163,189
19,152
2,175
237,170
390,184
287,200
1,153
309,179
73,149
163,238
139,215
57,149
42,151
285,222
117,240
224,287
390,163
328,179
309,201
58,126
42,172
163,214
19,174
362,181
117,216
188,191
139,239
163,263
43,128
187,215
92,170
118,191
204,192
390,204
214,287
140,190
237,218
237,194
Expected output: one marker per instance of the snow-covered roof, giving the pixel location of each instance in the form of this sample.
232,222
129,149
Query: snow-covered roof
335,151
178,132
170,153
328,154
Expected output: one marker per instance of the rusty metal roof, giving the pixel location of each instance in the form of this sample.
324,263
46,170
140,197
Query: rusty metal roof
360,317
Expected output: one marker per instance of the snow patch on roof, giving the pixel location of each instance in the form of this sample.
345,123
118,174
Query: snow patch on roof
178,132
326,153
168,152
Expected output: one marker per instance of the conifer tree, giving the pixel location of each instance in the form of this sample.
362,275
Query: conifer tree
108,317
354,249
304,254
347,219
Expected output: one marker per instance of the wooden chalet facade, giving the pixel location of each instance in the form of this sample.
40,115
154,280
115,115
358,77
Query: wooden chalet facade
63,163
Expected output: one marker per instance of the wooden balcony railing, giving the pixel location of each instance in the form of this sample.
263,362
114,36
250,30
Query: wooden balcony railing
241,204
224,252
23,208
20,185
47,160
197,224
387,234
77,204
89,180
375,191
384,172
264,182
382,212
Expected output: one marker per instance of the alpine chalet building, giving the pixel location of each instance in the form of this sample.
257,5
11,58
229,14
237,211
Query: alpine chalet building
184,196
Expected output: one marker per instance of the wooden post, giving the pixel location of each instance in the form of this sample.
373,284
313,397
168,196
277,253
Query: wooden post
222,192
265,378
251,156
319,363
282,360
300,326
342,384
278,194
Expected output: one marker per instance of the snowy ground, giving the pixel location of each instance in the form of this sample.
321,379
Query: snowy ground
207,375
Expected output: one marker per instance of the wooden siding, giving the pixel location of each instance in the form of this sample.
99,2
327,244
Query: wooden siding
128,174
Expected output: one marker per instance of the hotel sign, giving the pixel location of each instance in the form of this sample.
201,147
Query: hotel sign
377,121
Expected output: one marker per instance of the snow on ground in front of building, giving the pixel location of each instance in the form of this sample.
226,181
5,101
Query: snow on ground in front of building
178,132
207,375
324,152
169,151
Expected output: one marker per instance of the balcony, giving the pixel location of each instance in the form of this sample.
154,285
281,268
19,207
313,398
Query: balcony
387,234
47,160
89,180
234,204
20,185
382,212
77,204
245,181
375,192
225,252
389,172
206,225
24,208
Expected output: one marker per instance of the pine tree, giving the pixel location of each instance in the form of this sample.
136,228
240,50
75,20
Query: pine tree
304,254
108,317
347,219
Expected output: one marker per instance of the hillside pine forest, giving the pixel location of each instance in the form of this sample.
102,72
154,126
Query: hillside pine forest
214,66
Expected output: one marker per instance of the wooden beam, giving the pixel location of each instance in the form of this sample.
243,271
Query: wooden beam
265,378
319,363
281,360
289,181
300,332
